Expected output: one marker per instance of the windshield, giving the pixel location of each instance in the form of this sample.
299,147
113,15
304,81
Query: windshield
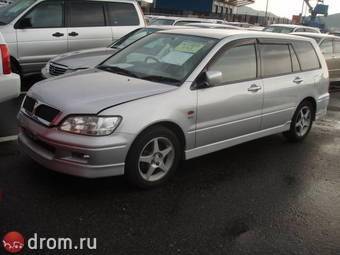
160,57
162,22
10,12
132,37
277,29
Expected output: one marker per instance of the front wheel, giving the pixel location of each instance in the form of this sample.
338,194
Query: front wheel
153,157
301,123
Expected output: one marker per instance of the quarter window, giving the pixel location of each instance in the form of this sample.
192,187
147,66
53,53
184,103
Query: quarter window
87,14
47,15
327,47
275,59
237,64
337,46
307,56
122,14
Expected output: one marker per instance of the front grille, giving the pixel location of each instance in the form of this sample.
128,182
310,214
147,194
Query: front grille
39,111
56,70
46,113
29,104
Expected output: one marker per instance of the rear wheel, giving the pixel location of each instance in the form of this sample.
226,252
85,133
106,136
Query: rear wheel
153,157
301,123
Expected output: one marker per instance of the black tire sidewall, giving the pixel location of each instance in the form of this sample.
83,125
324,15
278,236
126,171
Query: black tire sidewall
131,164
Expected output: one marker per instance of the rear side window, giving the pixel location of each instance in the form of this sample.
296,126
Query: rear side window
122,14
327,47
307,56
47,15
87,14
236,64
337,46
276,59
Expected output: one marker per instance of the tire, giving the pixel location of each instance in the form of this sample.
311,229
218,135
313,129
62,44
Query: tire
301,126
153,157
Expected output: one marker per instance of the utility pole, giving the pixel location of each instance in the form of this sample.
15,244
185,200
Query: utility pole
265,16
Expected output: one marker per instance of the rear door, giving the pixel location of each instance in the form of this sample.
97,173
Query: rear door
123,18
87,26
233,108
41,35
289,73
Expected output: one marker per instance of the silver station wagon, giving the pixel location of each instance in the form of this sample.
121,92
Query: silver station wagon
174,95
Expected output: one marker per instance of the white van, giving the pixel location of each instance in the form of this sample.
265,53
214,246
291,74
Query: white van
37,30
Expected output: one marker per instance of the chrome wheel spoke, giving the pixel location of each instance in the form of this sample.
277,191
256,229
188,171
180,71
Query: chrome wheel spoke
155,146
166,151
146,159
150,171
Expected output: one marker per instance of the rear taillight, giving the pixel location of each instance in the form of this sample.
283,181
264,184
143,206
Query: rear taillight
5,58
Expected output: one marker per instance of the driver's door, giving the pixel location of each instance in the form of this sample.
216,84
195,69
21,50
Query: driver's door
41,35
234,108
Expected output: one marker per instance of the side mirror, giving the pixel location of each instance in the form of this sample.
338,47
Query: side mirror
25,23
213,78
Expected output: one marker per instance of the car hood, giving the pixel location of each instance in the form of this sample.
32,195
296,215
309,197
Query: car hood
91,91
84,58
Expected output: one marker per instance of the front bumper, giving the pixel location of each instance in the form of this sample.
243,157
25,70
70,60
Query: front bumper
84,156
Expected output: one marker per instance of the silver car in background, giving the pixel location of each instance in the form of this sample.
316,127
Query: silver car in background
38,30
85,59
174,95
289,28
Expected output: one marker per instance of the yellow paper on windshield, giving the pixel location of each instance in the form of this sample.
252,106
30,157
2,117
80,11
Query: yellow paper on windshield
189,47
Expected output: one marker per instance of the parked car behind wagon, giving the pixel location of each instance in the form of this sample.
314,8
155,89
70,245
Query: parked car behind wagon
288,28
38,30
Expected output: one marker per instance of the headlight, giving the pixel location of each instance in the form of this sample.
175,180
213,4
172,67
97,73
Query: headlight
90,125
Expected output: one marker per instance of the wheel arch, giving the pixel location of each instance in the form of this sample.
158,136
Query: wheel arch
16,62
178,131
313,102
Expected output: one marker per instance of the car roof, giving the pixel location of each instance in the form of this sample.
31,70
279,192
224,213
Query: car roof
224,33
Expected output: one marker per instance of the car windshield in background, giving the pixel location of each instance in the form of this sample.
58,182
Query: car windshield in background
162,22
160,57
277,29
10,12
132,37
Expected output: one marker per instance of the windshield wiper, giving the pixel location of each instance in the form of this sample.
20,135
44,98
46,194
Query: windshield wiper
161,79
118,70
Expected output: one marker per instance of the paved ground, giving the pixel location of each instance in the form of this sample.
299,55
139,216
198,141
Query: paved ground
264,197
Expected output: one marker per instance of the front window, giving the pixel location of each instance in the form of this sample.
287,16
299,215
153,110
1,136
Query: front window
161,57
10,12
278,29
132,37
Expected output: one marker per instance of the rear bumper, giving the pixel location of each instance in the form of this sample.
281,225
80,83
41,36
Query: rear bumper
83,156
9,86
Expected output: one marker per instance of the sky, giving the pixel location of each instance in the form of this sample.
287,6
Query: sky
287,8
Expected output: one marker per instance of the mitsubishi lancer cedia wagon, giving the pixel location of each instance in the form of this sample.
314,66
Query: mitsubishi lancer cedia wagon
174,95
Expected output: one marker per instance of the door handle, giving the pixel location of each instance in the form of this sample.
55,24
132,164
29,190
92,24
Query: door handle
254,88
73,34
58,34
298,80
